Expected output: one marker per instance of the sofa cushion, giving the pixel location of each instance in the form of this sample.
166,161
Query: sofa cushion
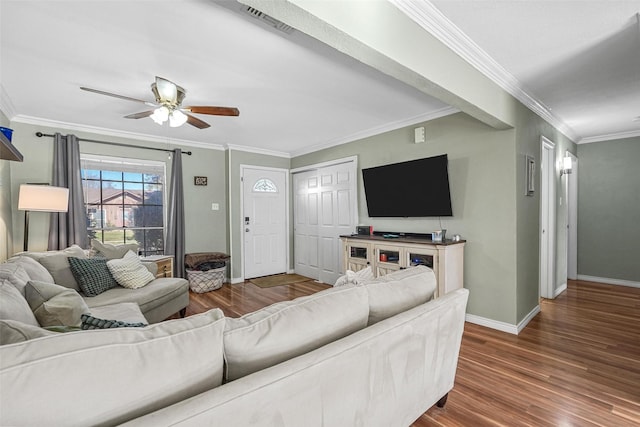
157,293
285,330
118,374
13,306
58,266
109,251
14,274
13,331
125,312
399,292
129,271
92,274
55,305
33,268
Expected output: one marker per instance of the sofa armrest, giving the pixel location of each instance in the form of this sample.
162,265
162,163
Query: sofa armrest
151,266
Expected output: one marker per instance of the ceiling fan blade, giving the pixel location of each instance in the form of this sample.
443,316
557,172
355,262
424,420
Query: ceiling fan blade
139,115
127,98
194,121
166,90
214,111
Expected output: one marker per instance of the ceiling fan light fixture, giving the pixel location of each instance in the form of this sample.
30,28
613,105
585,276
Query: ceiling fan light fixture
160,115
177,118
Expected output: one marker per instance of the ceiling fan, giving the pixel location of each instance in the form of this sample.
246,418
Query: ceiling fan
168,105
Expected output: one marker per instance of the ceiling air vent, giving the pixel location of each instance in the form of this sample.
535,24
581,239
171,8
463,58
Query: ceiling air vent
272,22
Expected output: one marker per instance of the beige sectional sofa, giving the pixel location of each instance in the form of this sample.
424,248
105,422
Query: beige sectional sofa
158,300
378,354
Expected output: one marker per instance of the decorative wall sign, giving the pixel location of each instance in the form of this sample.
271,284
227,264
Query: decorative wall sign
199,180
530,179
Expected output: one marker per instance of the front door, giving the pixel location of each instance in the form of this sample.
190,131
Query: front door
264,221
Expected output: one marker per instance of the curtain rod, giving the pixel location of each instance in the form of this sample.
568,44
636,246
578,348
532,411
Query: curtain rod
188,153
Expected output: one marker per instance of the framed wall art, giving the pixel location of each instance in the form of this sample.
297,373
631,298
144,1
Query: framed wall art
199,180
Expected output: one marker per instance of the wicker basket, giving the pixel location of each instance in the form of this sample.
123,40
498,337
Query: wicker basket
205,281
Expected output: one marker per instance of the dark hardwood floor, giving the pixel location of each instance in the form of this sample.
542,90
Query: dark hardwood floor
577,363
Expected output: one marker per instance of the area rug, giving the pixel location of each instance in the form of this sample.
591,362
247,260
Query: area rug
278,280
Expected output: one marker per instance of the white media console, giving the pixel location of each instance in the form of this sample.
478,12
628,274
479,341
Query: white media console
390,254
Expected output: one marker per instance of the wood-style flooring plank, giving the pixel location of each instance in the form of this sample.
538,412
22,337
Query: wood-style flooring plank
577,363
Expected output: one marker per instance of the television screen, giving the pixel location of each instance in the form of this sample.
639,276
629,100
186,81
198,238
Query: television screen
416,188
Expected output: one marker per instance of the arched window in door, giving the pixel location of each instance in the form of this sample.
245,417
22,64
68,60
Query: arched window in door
265,185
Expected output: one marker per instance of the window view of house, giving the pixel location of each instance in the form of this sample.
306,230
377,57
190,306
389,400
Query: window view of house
124,200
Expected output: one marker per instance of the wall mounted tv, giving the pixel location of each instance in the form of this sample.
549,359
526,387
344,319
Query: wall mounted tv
416,188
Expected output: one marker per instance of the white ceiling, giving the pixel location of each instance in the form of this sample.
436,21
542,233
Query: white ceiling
580,58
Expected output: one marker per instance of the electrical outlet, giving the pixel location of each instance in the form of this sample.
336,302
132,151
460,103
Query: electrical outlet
215,206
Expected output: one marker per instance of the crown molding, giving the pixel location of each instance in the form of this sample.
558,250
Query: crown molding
378,130
36,121
425,14
609,137
256,150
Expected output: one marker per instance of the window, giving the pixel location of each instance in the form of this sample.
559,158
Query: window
124,200
264,185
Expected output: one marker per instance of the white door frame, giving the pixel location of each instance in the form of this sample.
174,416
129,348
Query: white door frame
287,207
547,207
572,219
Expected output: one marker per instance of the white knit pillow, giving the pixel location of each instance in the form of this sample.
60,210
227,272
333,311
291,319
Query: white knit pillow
129,271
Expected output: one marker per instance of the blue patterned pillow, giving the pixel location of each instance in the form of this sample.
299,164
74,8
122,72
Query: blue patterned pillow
92,274
90,322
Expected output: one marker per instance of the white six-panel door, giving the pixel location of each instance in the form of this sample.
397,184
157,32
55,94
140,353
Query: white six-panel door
325,207
264,221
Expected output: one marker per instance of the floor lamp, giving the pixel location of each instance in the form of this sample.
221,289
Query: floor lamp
43,198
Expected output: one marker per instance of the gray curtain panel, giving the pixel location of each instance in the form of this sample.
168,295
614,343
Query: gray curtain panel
174,240
68,228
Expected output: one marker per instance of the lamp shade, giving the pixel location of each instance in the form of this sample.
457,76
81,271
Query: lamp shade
43,198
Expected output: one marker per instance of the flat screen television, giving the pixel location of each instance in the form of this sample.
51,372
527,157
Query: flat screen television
416,188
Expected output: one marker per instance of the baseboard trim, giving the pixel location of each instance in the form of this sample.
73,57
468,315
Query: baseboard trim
503,326
560,290
609,281
236,280
533,313
493,324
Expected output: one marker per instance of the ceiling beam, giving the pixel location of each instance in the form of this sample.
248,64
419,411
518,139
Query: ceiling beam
378,34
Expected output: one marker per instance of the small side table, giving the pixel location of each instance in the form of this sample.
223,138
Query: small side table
164,263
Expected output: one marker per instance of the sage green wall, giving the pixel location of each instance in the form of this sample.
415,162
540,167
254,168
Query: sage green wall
529,129
609,209
236,158
6,220
205,230
483,190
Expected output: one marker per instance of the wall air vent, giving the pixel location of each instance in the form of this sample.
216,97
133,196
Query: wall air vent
272,22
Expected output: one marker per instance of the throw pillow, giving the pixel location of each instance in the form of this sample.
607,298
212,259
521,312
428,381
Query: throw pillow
58,265
12,331
92,274
109,251
13,306
90,322
129,271
33,268
15,274
55,305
